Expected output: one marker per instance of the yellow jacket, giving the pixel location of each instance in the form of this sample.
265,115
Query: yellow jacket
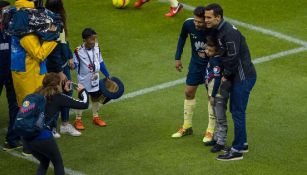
27,82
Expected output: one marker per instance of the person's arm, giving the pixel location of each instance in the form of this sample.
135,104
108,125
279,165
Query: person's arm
103,67
67,101
231,45
216,86
76,59
104,70
180,45
217,75
36,50
181,41
68,55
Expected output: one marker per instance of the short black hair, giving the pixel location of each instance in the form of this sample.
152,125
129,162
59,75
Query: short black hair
212,41
199,11
87,32
3,4
217,9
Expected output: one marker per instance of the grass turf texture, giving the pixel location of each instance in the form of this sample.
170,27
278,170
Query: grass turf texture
138,46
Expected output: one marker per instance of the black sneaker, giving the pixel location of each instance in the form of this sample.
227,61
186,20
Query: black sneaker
210,143
227,149
217,148
8,147
245,149
230,155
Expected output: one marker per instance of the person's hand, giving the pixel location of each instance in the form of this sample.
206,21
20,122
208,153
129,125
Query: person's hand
52,28
224,79
80,87
63,78
67,86
211,100
206,82
71,64
178,65
202,54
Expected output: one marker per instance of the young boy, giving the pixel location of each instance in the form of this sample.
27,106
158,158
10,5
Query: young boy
88,61
217,94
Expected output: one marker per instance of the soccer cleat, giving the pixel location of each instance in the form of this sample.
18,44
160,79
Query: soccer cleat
8,147
183,132
79,124
217,148
98,121
55,134
210,143
139,3
208,136
69,129
174,10
230,155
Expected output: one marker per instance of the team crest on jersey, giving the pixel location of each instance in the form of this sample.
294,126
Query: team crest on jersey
25,104
193,36
199,45
216,70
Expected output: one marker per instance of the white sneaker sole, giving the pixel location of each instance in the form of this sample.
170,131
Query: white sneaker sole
237,158
74,135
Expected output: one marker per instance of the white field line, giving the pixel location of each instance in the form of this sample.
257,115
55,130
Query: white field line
182,80
32,159
278,55
255,28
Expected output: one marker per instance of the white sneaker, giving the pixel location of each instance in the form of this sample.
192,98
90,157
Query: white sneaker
55,133
69,129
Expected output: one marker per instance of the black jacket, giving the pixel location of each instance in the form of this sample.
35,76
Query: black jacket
236,58
57,59
56,102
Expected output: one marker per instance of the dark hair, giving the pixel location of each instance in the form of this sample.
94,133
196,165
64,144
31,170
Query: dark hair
217,9
4,4
213,42
199,11
87,32
56,6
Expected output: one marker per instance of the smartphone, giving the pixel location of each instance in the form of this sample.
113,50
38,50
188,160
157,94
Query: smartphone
73,85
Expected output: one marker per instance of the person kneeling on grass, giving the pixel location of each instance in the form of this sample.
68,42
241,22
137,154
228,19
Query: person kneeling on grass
88,61
43,147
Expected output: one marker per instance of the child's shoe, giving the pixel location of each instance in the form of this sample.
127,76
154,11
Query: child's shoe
98,121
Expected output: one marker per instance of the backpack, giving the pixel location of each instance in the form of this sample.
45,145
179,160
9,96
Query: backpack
30,119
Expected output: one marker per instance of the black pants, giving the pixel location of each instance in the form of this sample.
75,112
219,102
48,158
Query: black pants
6,80
45,151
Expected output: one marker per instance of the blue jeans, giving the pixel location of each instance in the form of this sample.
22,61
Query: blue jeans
6,80
239,95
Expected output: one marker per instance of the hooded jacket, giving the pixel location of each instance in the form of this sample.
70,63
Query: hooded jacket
28,79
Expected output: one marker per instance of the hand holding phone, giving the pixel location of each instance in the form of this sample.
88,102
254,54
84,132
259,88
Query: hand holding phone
73,85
